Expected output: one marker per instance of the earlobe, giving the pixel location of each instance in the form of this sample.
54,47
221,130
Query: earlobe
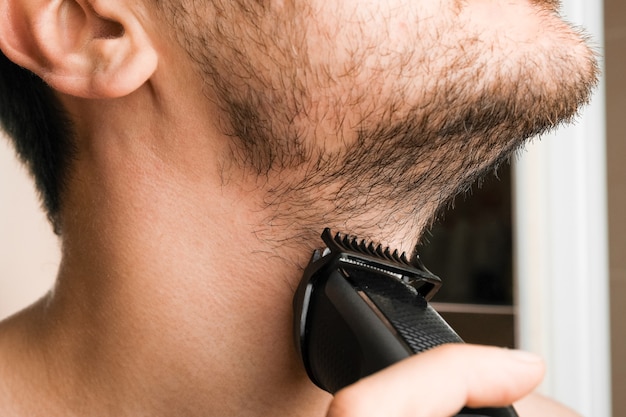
84,48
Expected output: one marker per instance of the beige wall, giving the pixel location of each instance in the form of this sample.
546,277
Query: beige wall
29,253
615,24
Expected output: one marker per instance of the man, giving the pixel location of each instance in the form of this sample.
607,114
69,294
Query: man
189,153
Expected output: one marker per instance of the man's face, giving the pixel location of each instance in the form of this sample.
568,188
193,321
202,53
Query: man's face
378,106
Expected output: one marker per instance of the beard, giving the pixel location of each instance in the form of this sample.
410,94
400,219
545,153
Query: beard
370,129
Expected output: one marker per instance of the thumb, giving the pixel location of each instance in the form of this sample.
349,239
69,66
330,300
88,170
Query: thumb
438,383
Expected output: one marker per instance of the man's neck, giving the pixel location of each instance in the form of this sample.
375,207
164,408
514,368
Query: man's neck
163,305
175,289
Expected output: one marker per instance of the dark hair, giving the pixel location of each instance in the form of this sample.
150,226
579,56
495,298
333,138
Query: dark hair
39,129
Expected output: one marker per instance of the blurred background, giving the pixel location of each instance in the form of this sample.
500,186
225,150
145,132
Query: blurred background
535,257
29,251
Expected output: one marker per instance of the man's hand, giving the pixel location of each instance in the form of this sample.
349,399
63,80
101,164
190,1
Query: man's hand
438,383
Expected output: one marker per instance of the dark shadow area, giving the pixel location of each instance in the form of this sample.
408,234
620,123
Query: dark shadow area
470,247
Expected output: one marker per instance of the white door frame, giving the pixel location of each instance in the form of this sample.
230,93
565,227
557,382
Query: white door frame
561,250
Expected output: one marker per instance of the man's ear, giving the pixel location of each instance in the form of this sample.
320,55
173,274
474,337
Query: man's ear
84,48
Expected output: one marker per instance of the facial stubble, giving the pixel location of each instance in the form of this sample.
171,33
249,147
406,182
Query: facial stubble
376,159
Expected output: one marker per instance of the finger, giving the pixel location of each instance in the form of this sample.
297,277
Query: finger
438,383
538,405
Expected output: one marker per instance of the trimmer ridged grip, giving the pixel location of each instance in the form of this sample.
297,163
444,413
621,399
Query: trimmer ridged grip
417,323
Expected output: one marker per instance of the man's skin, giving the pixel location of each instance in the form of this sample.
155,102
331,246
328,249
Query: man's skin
215,140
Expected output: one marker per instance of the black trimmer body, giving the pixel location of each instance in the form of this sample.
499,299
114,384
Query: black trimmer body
360,308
